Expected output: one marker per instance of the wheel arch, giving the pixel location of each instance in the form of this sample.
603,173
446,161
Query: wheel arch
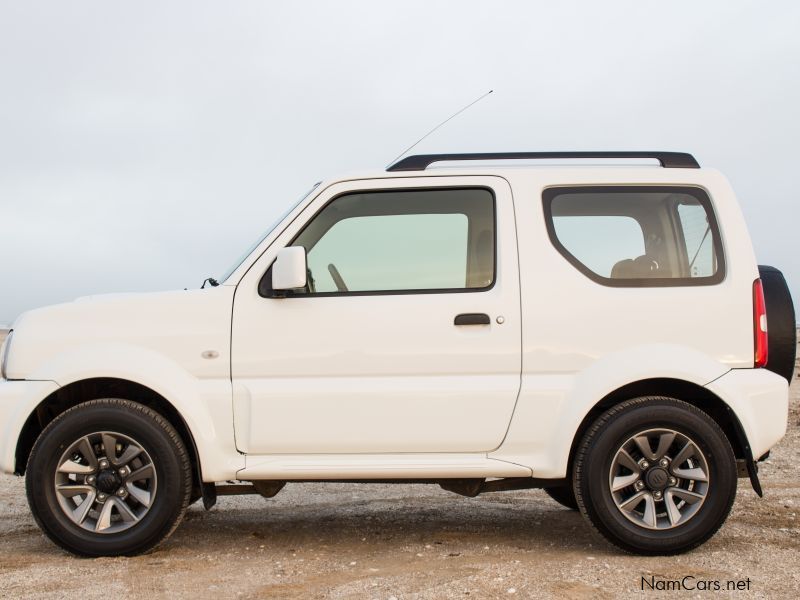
700,397
77,392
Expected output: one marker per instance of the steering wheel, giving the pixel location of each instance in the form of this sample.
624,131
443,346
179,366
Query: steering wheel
337,278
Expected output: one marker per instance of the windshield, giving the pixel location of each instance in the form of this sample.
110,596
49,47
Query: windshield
264,235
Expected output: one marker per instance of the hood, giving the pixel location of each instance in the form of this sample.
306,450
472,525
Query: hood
174,322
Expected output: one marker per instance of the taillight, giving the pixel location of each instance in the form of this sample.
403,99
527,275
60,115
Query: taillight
760,325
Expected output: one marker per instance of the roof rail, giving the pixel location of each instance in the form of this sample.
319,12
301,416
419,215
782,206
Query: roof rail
668,160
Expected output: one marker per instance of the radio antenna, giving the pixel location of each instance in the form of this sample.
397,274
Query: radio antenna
407,150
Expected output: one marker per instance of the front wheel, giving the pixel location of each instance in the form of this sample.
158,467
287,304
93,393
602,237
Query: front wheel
108,477
655,476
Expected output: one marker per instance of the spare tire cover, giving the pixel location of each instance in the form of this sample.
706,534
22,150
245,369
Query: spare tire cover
781,323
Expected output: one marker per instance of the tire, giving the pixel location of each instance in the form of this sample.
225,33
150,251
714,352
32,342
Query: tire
696,475
564,495
782,344
93,502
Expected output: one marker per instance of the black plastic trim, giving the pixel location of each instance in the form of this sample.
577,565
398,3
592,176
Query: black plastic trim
209,495
781,321
472,319
744,443
668,160
265,283
700,195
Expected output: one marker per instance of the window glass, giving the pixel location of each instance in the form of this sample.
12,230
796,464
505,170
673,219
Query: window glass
635,236
401,240
598,242
698,240
264,235
411,252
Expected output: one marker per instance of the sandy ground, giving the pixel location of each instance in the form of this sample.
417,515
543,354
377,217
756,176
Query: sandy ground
411,541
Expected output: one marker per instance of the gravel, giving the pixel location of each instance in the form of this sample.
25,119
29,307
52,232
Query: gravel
411,541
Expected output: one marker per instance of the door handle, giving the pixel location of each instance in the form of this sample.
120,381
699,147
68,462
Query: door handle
472,319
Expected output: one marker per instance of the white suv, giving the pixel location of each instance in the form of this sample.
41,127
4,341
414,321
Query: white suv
596,331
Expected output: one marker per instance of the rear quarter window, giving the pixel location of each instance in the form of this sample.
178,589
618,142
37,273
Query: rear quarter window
637,236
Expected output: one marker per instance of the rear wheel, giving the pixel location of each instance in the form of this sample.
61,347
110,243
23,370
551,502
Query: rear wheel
108,477
655,476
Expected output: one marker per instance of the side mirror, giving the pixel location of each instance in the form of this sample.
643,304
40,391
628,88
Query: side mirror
289,271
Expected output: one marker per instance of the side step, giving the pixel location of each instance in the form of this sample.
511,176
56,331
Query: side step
473,487
469,487
351,467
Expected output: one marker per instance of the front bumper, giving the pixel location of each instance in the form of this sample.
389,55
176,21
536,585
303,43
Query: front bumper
760,399
18,399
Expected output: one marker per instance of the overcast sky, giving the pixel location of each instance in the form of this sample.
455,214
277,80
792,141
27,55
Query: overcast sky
144,145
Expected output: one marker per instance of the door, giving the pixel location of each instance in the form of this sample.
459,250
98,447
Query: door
407,337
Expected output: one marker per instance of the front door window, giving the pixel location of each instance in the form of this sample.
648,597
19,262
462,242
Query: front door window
402,241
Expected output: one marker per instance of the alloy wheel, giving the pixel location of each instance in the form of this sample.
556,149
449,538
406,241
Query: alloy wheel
105,482
659,479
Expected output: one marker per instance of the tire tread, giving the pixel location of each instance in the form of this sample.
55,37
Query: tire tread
585,445
161,422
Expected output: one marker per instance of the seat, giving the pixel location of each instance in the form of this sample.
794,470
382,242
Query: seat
642,267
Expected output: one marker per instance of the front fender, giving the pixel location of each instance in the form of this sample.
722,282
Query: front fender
204,404
18,399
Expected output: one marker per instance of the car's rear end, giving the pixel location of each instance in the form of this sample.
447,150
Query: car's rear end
658,331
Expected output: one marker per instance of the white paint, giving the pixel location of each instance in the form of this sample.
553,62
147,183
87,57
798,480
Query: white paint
386,386
378,373
289,271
